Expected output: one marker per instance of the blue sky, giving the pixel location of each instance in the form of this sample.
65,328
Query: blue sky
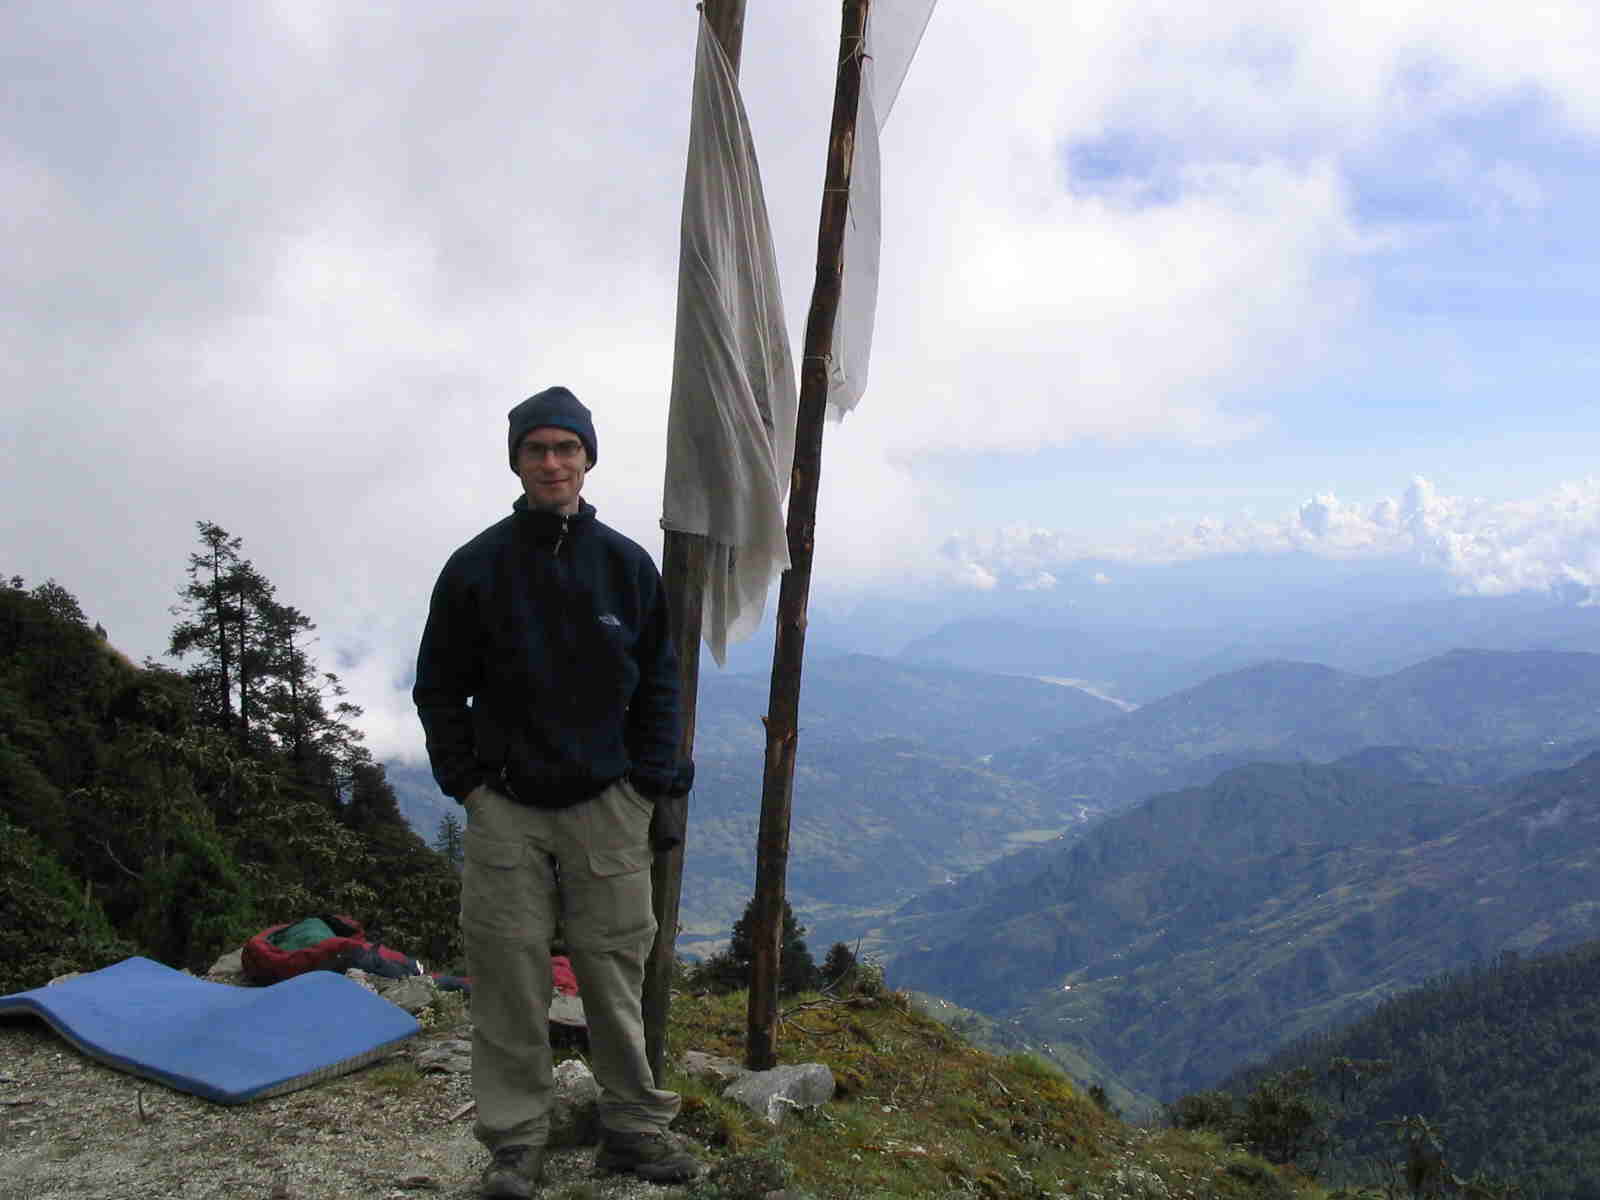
1470,357
1159,282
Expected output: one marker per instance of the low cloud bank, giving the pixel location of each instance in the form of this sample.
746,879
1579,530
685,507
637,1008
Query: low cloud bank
1548,543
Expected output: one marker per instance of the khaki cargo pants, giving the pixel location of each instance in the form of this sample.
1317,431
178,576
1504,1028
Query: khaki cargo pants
587,866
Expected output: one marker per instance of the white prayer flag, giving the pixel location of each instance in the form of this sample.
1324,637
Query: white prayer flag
731,423
894,30
730,427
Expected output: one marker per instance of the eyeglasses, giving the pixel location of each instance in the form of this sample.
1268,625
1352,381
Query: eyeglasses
567,451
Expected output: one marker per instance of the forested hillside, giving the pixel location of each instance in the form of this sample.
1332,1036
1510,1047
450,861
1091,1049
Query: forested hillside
1193,932
1502,1060
173,812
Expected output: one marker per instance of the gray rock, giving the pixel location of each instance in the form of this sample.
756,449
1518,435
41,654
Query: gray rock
714,1067
229,967
453,1057
413,993
574,1111
773,1094
575,1115
567,1010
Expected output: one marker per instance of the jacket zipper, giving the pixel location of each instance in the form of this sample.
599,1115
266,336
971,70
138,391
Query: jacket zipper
562,536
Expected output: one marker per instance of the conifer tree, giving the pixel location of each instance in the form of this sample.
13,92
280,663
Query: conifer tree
59,602
307,707
836,968
450,840
252,612
208,602
181,811
797,970
252,672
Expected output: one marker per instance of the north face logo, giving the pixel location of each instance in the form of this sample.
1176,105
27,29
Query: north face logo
611,620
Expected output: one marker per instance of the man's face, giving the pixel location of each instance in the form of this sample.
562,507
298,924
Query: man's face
551,463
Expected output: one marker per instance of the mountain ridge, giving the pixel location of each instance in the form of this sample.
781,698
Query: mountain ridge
880,821
1180,938
1305,711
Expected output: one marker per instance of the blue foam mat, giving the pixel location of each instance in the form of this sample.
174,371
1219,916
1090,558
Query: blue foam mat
227,1044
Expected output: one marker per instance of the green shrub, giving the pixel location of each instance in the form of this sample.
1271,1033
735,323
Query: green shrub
1212,1111
49,925
1281,1121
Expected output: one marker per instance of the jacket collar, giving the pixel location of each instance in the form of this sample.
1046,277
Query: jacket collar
548,524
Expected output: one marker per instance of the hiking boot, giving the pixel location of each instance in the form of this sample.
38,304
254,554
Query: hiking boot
653,1156
514,1173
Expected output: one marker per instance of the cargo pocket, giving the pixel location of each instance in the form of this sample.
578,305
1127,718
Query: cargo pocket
495,890
609,908
618,831
603,864
638,798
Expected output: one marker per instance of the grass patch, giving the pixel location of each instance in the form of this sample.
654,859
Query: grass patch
397,1077
921,1114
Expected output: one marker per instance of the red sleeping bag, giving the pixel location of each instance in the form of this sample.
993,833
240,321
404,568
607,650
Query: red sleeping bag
267,961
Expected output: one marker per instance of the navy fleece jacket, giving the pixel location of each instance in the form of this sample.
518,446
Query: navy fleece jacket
555,630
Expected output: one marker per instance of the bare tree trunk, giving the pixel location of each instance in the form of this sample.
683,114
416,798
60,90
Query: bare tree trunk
683,570
683,558
783,706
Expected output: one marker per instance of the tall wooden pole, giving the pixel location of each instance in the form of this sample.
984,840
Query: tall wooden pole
783,705
683,573
683,569
726,18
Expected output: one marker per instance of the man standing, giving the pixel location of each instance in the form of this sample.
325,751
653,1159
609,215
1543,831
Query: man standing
548,689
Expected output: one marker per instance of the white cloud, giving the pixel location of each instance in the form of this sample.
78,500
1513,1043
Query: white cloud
1530,545
1081,319
1023,309
1486,549
285,266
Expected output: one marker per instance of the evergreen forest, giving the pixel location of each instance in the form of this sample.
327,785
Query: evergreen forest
1496,1069
175,809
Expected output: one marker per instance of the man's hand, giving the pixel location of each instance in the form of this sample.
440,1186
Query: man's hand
669,820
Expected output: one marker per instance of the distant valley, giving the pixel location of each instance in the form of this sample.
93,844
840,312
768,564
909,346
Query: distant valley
1239,614
1202,928
892,795
1169,891
1499,708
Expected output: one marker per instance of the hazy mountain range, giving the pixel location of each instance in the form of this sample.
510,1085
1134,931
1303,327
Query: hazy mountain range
1202,928
891,795
1249,857
1502,707
1117,654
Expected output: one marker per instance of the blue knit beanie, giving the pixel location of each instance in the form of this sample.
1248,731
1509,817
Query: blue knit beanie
557,408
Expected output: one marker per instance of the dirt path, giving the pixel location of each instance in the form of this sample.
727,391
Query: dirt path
72,1128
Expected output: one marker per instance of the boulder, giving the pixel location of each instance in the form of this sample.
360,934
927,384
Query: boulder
228,969
452,1057
575,1115
413,993
774,1094
714,1067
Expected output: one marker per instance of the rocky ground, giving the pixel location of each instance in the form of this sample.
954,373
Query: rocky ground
71,1127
